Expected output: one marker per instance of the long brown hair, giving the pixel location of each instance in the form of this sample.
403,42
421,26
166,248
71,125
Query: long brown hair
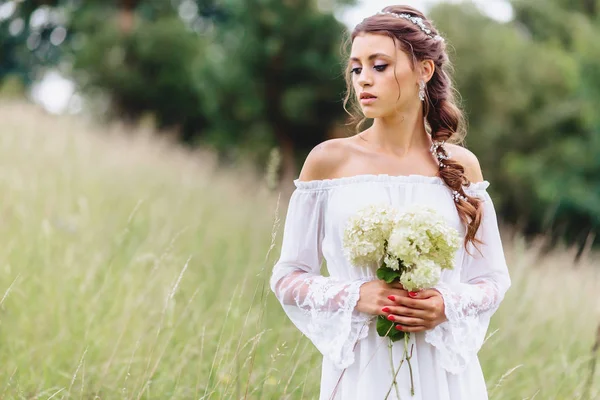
444,120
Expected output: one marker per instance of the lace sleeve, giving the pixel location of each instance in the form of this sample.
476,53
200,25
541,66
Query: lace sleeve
323,308
470,303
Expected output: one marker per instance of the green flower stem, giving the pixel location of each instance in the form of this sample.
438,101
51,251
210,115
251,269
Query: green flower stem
394,382
407,357
391,344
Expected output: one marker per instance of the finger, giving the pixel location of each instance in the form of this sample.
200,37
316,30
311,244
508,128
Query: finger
411,329
410,302
396,285
396,294
427,305
407,312
406,321
424,294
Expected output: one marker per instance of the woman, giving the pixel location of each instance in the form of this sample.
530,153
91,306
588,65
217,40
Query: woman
398,72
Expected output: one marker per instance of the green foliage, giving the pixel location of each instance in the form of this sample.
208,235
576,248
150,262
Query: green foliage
388,274
529,89
272,74
28,50
142,67
12,88
147,69
384,326
387,328
238,75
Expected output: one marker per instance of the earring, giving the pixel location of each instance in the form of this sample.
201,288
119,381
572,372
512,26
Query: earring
422,90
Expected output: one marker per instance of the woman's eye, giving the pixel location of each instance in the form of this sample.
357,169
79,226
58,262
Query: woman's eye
380,68
356,70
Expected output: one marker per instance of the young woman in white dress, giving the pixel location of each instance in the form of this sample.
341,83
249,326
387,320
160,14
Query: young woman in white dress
398,74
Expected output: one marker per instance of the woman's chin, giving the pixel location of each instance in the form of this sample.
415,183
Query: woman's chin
371,113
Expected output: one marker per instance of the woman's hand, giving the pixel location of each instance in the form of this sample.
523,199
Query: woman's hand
374,296
415,311
411,311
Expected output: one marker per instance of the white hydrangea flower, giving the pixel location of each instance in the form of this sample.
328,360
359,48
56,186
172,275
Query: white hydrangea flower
421,233
391,262
418,242
366,234
401,245
425,274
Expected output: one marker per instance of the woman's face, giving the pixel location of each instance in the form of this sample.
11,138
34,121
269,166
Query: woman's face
381,91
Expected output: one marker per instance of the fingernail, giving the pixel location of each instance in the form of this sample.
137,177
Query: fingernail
399,327
385,309
412,294
392,298
390,317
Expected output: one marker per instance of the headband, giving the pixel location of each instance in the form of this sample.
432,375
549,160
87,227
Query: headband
415,20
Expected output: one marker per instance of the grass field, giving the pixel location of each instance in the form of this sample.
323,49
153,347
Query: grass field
131,268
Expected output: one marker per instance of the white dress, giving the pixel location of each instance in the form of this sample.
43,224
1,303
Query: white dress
356,360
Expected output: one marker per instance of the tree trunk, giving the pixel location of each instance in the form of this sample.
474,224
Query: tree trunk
126,14
288,163
590,7
281,129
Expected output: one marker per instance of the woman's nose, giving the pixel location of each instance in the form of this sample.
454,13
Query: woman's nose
365,79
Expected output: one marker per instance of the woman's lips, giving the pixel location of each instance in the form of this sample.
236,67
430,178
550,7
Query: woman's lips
368,100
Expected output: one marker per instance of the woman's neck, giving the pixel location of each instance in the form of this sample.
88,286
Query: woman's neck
400,134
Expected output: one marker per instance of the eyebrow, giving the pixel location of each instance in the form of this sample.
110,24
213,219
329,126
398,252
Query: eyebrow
372,56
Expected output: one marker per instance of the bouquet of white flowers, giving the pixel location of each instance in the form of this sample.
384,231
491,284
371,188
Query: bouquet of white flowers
412,247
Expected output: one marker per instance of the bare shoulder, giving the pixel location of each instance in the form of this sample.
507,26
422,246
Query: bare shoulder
324,160
468,160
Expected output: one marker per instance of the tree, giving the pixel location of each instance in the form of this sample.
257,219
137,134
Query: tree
525,89
241,75
273,75
138,53
148,69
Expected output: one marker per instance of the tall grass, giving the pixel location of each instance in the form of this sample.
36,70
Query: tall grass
131,268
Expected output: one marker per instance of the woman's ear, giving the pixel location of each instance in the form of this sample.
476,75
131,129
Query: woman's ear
427,70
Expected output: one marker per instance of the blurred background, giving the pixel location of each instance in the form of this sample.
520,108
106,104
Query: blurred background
147,149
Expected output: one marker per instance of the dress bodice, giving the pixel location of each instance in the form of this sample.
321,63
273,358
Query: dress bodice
340,198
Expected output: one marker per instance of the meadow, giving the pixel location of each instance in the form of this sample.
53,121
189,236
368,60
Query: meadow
132,268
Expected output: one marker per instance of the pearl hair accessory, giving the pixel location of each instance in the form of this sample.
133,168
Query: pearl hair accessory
444,155
441,156
415,20
457,196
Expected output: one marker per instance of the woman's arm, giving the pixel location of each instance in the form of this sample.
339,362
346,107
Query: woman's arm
323,308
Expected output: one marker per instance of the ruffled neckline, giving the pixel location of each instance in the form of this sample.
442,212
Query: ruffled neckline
381,178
